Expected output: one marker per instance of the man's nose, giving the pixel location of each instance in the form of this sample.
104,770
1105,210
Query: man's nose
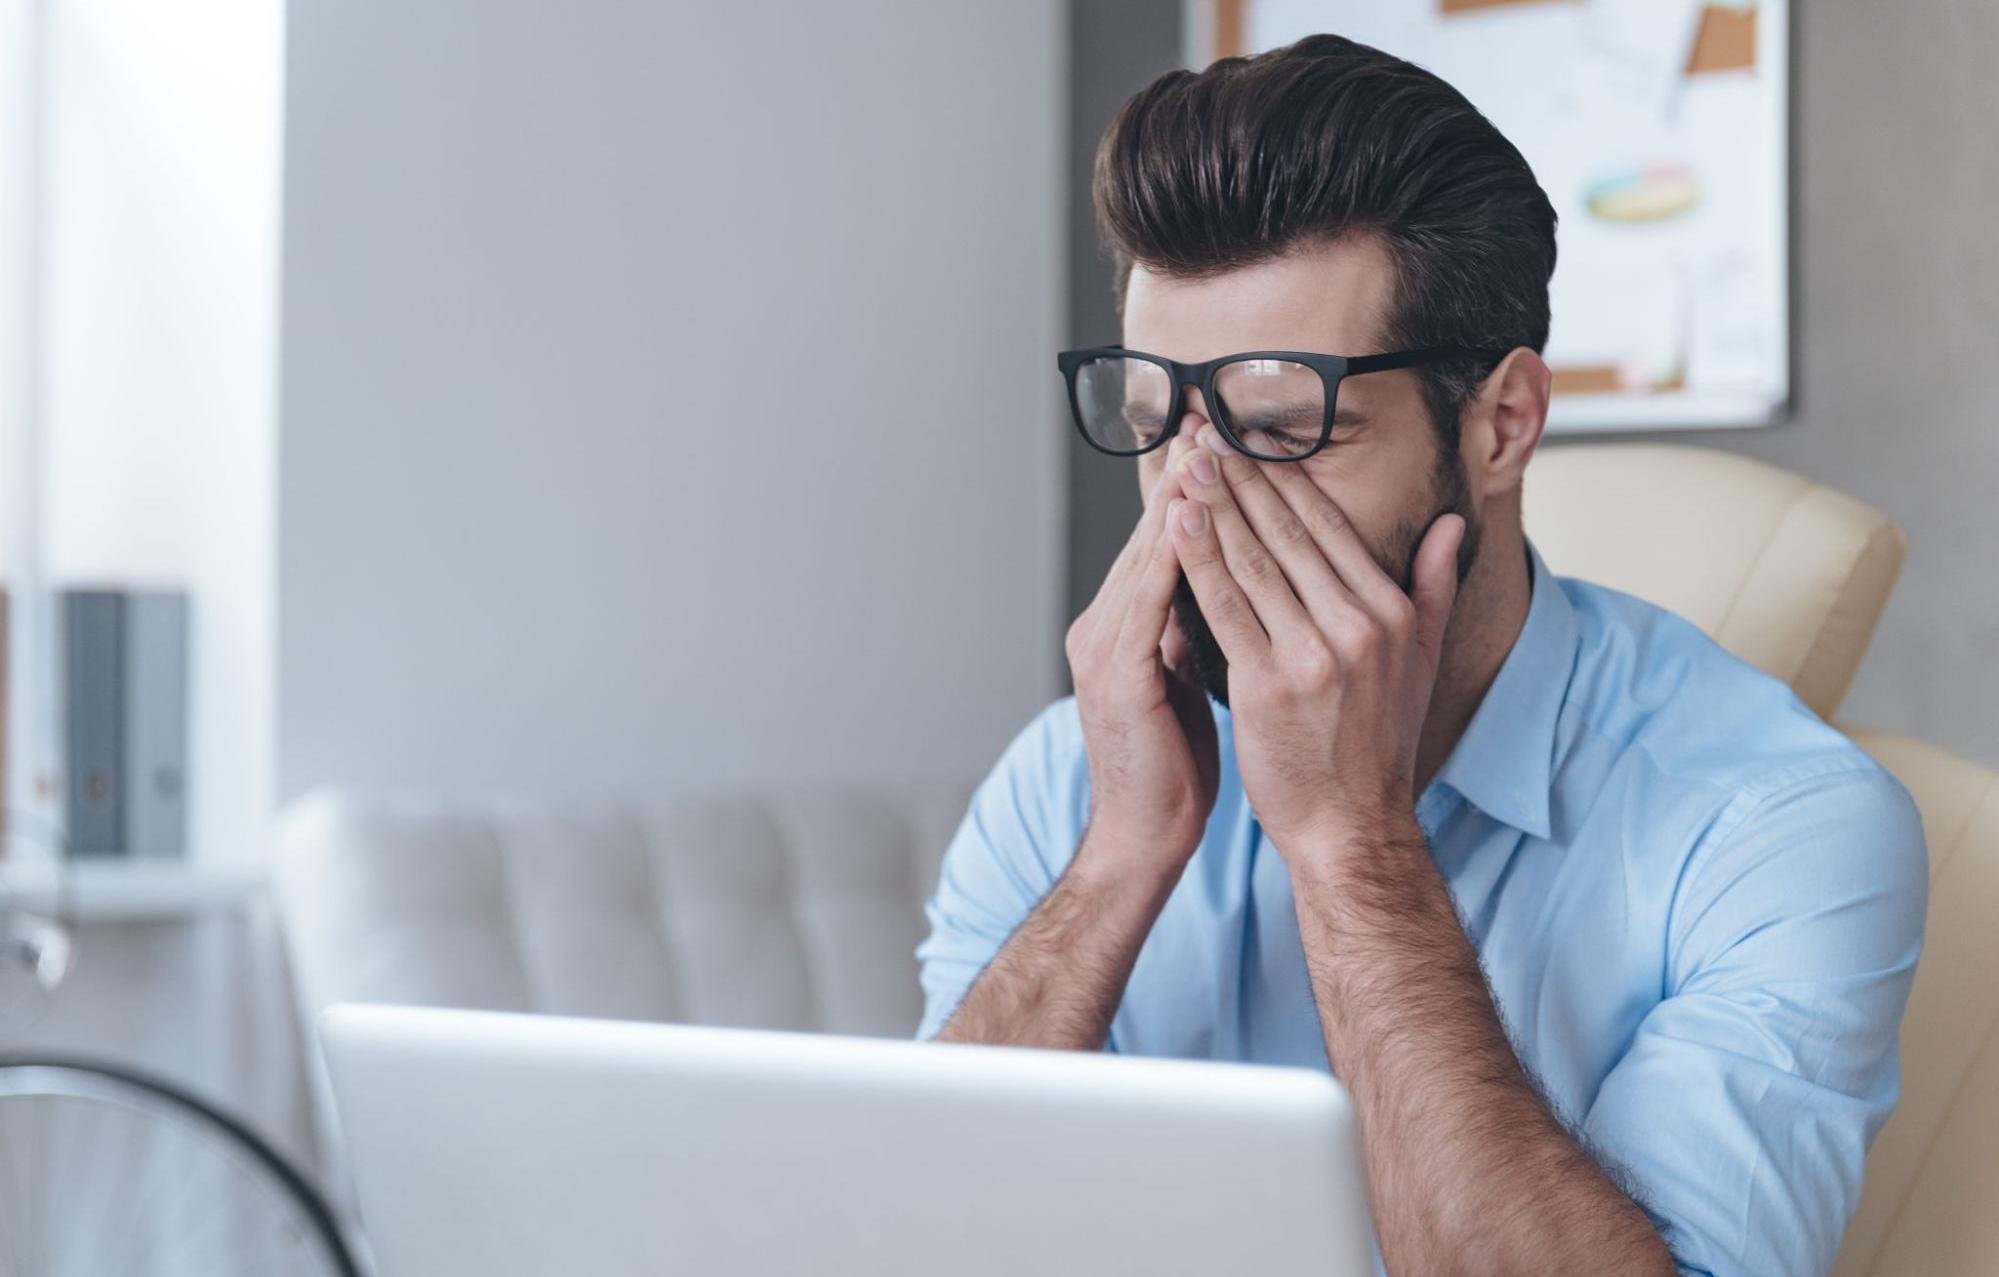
1193,412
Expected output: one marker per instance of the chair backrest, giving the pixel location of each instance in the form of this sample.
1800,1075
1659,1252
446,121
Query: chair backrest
1930,1207
1787,574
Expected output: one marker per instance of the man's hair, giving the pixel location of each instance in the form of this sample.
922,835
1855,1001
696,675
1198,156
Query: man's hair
1204,172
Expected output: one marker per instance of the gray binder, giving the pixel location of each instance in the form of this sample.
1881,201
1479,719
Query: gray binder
93,661
155,754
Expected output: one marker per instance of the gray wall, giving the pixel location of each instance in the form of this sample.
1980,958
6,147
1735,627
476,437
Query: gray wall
1897,262
1116,48
607,461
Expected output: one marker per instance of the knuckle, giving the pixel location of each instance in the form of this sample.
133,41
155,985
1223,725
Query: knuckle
1326,519
1398,616
1200,551
1288,529
1259,568
1233,609
1088,664
1315,666
1076,642
1360,637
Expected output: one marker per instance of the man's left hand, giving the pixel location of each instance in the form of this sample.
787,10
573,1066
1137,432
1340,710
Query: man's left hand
1331,664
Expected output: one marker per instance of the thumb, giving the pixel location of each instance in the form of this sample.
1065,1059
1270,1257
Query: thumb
1437,583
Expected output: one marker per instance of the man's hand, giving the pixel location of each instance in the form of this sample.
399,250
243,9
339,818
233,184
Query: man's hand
1154,769
1148,731
1331,665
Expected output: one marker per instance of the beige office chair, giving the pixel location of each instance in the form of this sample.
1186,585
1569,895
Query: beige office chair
1788,574
1931,1205
1792,576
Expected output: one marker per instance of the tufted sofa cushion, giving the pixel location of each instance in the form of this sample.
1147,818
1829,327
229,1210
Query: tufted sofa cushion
794,911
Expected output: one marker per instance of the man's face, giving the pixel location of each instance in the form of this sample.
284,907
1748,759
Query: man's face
1385,469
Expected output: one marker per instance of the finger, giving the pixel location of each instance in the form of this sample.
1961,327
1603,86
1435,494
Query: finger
1276,526
1151,602
1334,534
1113,601
1227,609
1151,523
1250,561
1147,540
1437,584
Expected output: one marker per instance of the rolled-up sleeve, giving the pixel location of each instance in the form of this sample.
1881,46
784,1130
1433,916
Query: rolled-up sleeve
1016,838
1741,1114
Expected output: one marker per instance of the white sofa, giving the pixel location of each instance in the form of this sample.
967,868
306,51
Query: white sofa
799,911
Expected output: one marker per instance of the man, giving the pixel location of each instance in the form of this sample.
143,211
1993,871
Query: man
1605,933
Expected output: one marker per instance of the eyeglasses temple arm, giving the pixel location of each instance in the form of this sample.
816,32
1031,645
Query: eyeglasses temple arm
1410,358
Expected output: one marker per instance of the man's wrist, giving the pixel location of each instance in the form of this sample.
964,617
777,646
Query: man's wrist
1385,843
1107,862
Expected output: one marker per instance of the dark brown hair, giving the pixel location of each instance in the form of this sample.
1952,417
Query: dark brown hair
1204,172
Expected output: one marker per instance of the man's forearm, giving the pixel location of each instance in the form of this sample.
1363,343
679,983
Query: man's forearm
1058,980
1470,1170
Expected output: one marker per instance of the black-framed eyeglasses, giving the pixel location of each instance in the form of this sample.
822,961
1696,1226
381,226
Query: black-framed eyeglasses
1274,405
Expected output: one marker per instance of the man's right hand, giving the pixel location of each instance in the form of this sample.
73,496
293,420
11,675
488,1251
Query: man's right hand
1147,726
1150,737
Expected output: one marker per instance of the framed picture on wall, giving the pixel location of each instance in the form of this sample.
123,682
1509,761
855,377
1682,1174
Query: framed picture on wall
1660,130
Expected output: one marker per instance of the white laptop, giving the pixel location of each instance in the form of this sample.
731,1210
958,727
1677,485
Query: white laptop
526,1146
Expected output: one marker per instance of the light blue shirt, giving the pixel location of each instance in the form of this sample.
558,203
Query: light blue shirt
1699,908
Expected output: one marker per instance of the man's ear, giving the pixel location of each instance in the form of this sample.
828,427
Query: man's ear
1504,421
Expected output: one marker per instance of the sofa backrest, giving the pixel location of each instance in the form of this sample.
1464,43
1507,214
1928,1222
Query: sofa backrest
800,911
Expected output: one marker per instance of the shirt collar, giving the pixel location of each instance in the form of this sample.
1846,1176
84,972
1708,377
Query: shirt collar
1504,763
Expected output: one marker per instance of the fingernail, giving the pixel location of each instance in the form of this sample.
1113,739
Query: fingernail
1203,468
1193,518
1216,444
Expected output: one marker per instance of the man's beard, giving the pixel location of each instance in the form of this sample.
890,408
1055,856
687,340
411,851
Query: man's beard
1397,560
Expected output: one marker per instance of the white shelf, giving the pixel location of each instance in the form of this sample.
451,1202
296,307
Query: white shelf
131,890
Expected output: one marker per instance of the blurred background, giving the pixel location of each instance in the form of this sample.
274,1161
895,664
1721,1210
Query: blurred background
457,402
